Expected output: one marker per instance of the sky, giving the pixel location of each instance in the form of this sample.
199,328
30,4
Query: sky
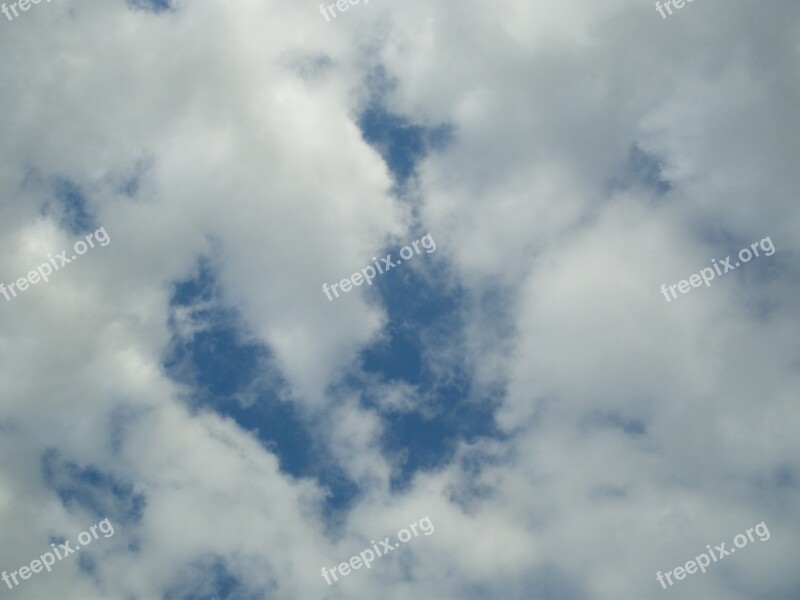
580,375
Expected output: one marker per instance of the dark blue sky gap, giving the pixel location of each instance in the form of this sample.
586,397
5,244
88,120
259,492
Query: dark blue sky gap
131,182
421,312
401,143
642,168
221,365
94,490
155,6
74,213
210,579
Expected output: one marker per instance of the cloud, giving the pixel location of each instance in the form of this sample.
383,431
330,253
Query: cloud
568,432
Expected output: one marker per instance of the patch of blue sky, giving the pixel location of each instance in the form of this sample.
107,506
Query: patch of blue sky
91,489
72,207
401,143
155,6
210,579
130,183
642,168
235,377
424,326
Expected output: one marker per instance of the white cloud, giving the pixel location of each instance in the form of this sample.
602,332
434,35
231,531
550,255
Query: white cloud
251,157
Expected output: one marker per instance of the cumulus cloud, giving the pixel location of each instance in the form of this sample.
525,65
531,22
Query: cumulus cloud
568,432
